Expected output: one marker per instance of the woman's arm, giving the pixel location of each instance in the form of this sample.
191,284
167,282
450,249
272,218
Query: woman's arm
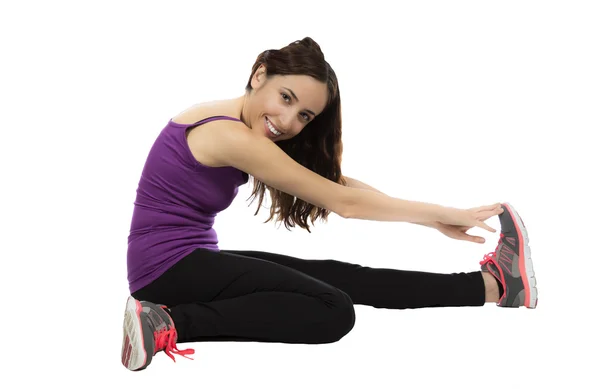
354,183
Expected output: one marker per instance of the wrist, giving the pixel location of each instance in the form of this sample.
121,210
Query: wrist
432,224
435,224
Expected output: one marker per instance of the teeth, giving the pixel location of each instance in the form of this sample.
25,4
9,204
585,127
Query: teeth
272,129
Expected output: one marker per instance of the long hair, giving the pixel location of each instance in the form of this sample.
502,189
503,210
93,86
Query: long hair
318,146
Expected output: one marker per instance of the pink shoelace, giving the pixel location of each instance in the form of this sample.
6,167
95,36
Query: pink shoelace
166,339
491,257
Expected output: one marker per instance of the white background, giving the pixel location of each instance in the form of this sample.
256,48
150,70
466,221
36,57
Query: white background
461,103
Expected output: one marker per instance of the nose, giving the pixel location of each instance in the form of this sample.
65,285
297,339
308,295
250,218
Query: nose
287,121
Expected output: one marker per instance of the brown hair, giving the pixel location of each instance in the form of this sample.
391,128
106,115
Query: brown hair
318,146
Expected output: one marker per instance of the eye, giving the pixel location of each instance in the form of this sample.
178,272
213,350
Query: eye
306,117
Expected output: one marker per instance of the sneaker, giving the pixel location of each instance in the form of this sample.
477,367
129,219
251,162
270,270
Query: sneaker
147,329
511,262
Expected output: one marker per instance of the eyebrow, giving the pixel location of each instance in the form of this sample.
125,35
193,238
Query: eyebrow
296,97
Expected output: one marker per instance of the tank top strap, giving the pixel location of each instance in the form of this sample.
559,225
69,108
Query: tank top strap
206,120
213,118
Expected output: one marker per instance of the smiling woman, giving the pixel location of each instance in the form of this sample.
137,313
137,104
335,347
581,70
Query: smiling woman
295,92
276,130
285,132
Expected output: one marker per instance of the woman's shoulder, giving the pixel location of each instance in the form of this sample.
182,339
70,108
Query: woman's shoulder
201,139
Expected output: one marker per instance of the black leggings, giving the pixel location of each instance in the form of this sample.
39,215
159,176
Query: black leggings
236,295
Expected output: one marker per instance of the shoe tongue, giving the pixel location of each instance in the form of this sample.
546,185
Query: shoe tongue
490,267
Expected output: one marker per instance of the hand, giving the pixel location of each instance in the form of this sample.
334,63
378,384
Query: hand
454,222
457,232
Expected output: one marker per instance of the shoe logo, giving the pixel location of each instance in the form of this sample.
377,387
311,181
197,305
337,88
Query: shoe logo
505,258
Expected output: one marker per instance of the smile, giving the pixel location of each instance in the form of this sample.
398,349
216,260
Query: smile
272,128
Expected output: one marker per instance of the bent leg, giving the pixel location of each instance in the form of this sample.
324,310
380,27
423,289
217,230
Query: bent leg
219,296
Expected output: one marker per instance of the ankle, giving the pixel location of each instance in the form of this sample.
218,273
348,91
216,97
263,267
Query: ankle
492,291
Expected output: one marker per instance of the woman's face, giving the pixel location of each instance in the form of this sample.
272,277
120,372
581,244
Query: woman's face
286,102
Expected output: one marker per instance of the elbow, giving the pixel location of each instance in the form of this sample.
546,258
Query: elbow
342,211
346,204
346,214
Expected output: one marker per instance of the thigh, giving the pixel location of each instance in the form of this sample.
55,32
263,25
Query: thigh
339,274
205,276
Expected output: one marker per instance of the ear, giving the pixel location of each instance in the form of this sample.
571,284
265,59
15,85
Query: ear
260,76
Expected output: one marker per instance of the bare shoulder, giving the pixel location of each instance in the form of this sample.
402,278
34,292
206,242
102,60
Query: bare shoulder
201,138
208,141
233,144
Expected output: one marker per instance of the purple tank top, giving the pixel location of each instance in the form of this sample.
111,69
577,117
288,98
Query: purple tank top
176,202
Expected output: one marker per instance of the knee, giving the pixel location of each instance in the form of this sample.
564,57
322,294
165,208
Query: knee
342,320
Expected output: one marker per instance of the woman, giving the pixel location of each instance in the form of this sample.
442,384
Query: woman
285,131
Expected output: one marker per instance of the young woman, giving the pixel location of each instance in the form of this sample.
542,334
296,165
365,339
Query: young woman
285,132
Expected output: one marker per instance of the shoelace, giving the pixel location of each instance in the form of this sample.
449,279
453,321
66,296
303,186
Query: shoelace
491,257
165,339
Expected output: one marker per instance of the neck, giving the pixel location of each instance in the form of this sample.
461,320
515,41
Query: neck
242,107
238,107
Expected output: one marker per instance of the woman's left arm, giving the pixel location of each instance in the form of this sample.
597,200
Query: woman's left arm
354,183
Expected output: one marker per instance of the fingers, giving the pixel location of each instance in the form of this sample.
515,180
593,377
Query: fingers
494,209
476,239
495,212
471,238
491,207
484,215
485,227
460,232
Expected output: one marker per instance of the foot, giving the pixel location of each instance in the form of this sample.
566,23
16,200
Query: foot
147,329
511,263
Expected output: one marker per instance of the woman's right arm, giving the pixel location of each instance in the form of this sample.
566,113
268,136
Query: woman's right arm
233,144
354,183
370,205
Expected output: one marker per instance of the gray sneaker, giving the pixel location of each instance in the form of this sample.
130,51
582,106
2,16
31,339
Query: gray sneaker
147,329
511,262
